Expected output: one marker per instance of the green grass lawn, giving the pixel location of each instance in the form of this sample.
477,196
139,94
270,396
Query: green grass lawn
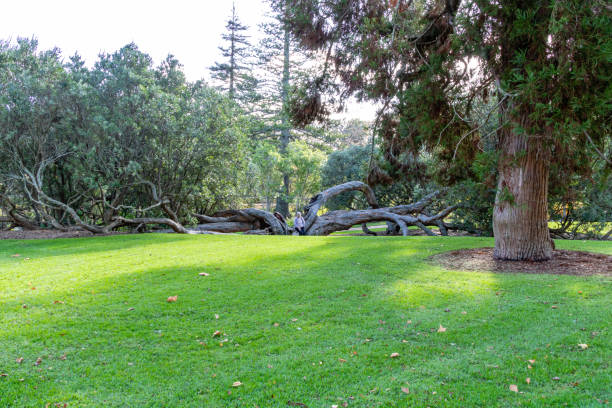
307,320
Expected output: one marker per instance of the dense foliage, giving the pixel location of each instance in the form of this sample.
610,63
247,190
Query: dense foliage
81,146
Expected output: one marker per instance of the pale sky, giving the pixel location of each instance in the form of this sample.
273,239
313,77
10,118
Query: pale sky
190,30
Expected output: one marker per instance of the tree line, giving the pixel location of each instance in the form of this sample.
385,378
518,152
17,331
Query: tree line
470,93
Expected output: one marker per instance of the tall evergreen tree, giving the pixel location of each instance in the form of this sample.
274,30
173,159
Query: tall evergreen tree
543,64
282,65
235,71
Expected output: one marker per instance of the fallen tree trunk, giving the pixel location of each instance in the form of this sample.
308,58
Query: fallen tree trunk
342,220
255,221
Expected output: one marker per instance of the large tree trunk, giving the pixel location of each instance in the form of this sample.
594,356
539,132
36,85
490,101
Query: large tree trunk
520,216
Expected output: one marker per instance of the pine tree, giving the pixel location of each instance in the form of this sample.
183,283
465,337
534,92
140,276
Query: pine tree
235,71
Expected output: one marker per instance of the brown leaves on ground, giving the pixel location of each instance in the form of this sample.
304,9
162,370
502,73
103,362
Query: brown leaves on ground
441,329
405,390
203,274
217,333
583,346
528,380
19,360
172,299
38,361
236,384
513,388
58,302
394,355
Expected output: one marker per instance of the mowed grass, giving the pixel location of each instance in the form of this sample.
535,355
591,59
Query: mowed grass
304,320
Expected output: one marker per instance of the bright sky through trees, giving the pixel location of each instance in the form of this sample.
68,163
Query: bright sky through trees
190,30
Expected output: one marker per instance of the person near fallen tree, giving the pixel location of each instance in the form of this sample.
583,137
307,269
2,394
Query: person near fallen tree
299,223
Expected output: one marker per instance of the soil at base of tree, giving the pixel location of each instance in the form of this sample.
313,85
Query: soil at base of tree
48,234
563,263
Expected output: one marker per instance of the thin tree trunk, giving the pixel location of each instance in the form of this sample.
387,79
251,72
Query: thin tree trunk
282,204
520,216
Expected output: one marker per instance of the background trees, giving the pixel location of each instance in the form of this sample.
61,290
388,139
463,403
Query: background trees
84,147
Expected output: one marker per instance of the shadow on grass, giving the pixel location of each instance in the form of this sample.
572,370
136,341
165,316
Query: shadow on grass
352,299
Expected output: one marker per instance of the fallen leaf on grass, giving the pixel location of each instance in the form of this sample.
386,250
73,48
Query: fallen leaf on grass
25,306
528,380
130,309
513,388
216,333
63,357
531,361
172,299
556,378
583,346
236,384
15,256
342,360
276,325
203,274
38,361
19,360
3,375
58,302
441,329
405,390
553,307
394,355
296,404
464,312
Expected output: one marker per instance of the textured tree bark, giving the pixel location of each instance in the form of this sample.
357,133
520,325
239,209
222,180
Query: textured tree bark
520,216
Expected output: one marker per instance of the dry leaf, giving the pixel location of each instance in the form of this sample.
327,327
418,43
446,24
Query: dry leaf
237,384
529,366
342,360
63,357
394,355
556,378
19,360
513,388
130,309
294,320
583,346
172,299
580,292
203,274
38,361
409,322
216,333
3,375
55,302
25,306
15,256
528,380
441,329
531,361
553,307
464,312
405,390
276,325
